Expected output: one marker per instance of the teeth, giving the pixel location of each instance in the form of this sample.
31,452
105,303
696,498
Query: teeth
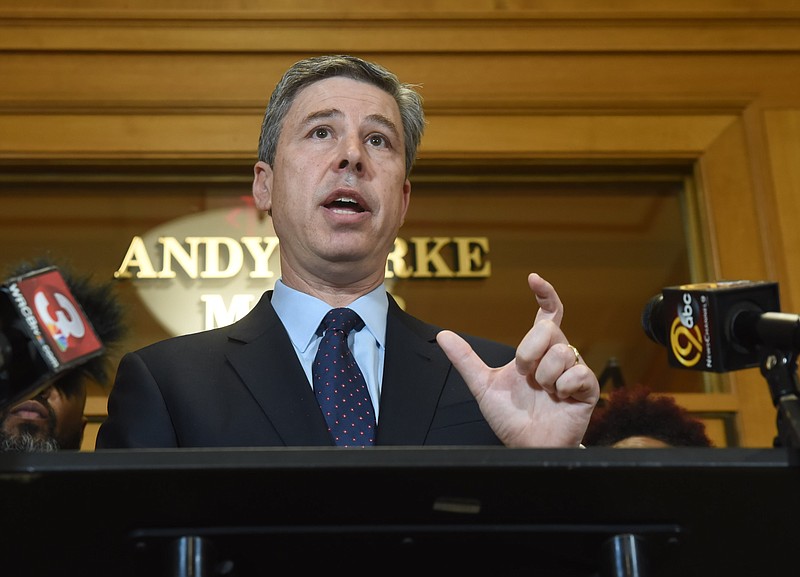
345,200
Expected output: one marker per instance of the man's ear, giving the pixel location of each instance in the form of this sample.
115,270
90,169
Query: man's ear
406,200
262,185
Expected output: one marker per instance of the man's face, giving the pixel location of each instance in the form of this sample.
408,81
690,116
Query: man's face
53,415
337,190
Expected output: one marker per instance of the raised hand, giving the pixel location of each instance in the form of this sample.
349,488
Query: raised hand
545,396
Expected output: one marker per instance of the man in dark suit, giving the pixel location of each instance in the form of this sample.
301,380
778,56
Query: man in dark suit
337,145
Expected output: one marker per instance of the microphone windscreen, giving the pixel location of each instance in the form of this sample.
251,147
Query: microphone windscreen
653,320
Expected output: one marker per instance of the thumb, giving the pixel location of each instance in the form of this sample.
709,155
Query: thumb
464,359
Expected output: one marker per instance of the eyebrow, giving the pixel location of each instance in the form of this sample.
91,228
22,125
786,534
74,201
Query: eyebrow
385,122
336,113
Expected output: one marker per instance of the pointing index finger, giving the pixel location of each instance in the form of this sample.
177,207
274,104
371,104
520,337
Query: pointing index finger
550,306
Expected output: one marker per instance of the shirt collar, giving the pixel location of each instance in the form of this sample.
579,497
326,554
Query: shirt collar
301,313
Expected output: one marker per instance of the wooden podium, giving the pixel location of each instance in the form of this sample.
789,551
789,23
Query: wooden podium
551,512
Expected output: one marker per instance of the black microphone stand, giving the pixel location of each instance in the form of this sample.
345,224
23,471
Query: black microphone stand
779,367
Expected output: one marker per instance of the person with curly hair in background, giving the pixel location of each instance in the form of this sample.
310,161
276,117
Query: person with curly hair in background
638,418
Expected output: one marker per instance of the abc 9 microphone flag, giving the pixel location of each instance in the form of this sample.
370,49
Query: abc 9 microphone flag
713,326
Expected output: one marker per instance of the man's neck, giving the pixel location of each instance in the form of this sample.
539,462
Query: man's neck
336,295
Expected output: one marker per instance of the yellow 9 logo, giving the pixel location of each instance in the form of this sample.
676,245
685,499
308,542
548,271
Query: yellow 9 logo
686,343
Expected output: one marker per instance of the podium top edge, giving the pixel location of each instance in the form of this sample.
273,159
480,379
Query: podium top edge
473,458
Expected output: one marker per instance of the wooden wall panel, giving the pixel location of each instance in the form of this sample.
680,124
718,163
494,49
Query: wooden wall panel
783,133
549,81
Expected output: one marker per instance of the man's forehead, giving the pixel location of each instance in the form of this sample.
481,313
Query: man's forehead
341,94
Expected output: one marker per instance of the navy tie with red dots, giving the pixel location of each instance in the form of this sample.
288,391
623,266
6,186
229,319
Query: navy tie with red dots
340,387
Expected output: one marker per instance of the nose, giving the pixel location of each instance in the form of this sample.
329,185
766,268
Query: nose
352,157
45,393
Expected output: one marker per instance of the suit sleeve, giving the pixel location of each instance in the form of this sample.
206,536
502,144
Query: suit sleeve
137,414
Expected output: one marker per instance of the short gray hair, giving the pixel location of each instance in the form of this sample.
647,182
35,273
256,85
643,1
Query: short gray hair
311,70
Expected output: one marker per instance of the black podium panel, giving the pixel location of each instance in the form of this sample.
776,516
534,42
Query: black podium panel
549,512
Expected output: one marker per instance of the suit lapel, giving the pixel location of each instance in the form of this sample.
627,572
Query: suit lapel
268,365
415,370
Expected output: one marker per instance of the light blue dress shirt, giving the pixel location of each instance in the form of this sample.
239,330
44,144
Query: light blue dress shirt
301,314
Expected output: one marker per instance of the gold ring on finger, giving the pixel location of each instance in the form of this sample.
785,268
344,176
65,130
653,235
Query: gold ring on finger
577,354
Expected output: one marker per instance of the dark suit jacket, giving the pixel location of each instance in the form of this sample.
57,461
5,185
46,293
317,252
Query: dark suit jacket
243,386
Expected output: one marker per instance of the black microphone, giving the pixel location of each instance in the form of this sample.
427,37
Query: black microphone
43,332
720,326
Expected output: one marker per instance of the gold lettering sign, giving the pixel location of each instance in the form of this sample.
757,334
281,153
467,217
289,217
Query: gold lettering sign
224,257
192,282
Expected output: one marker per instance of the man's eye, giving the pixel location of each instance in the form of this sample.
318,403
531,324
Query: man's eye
377,140
321,133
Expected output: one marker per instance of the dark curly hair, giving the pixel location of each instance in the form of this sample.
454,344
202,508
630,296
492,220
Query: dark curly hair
637,412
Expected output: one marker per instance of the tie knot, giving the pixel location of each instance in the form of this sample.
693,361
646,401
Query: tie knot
342,319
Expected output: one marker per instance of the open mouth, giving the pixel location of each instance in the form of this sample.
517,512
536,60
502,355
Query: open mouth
344,204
